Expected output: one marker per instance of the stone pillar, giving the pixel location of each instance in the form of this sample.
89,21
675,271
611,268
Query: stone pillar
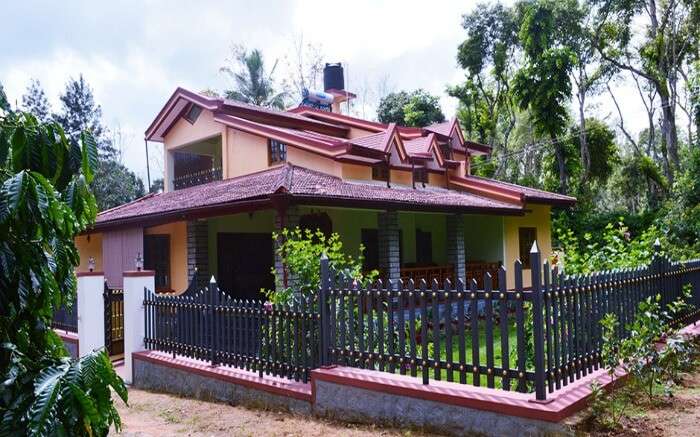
91,311
134,329
455,245
286,218
198,251
389,245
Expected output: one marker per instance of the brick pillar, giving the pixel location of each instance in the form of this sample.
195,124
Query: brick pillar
389,244
455,245
198,251
288,218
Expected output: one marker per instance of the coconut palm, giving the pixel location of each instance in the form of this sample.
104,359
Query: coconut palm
253,84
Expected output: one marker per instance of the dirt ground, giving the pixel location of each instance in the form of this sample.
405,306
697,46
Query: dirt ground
154,414
678,416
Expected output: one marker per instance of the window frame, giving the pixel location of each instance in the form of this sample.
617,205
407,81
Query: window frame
193,109
276,151
525,246
380,172
420,175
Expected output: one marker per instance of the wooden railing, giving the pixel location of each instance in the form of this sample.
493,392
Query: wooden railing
474,270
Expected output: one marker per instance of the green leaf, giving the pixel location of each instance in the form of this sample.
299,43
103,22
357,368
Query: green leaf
86,403
89,155
46,391
14,190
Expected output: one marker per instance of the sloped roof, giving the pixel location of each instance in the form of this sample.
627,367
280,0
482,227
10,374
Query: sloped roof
296,183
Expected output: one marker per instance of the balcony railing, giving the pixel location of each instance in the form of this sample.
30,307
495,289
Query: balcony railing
197,178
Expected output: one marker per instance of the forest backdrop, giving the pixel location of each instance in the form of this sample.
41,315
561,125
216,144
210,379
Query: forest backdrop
534,75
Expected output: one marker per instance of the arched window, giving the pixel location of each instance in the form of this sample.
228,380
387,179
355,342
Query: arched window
314,221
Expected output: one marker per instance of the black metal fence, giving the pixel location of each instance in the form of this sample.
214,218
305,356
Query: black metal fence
66,319
280,340
541,338
538,338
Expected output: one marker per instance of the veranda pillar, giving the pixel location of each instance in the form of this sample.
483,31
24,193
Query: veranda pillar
287,216
389,245
455,245
198,251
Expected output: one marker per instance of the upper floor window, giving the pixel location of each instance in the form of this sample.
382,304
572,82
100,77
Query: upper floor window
380,172
526,236
420,175
193,113
277,151
446,150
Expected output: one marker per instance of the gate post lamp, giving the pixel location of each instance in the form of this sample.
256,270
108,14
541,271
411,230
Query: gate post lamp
91,263
139,262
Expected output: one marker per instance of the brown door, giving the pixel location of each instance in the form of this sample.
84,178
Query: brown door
244,264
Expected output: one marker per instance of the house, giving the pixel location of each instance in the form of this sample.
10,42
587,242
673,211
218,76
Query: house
234,173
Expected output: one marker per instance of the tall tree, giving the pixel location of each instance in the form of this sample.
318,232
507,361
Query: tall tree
671,31
252,82
35,102
44,203
417,108
80,113
489,56
542,85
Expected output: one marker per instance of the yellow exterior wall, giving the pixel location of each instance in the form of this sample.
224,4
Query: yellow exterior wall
539,218
358,172
401,177
87,249
183,132
437,180
247,153
178,252
313,161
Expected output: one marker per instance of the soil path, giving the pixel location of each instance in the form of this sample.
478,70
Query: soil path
154,414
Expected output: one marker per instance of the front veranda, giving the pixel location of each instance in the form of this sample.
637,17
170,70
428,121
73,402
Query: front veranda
238,249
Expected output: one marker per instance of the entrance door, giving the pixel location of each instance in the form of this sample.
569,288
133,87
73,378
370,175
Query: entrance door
244,264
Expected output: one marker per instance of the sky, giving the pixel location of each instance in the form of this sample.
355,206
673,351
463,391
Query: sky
135,53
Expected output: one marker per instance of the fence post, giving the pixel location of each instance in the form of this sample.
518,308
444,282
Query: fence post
538,322
213,293
323,310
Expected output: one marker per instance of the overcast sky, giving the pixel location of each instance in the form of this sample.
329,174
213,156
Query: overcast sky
134,54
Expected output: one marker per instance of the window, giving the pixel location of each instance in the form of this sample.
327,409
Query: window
156,257
193,113
424,248
526,236
420,175
380,172
446,151
277,151
316,221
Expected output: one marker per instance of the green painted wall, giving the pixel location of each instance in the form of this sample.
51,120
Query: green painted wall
483,238
483,234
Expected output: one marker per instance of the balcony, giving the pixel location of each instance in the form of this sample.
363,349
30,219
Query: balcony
197,178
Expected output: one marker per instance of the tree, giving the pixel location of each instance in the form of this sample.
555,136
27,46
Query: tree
417,108
305,65
252,82
670,39
45,202
114,185
488,56
79,113
35,102
542,85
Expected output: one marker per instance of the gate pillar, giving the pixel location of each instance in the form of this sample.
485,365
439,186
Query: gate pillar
134,323
91,321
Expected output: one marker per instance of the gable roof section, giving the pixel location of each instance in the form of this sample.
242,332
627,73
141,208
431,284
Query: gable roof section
509,192
180,100
259,191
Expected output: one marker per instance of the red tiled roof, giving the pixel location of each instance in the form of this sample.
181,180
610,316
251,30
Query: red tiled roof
302,184
531,194
419,146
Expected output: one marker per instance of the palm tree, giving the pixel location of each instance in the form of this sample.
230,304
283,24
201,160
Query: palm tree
252,83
